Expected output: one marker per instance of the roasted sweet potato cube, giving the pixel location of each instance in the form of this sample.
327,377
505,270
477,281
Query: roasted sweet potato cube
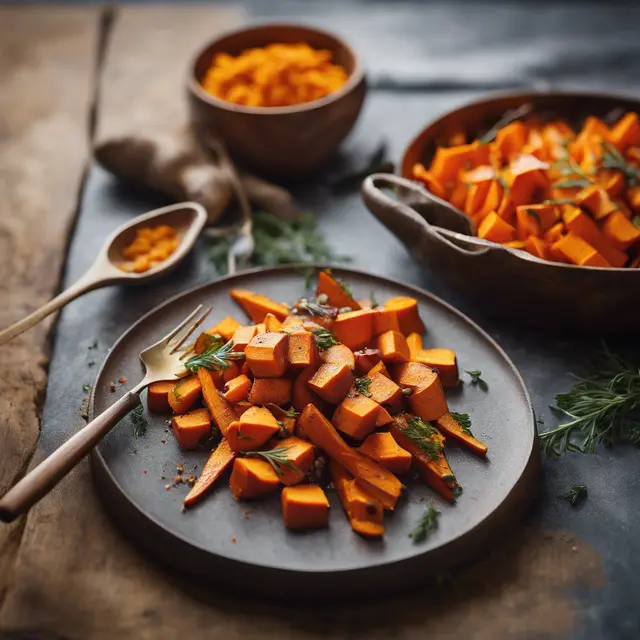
381,367
444,360
305,507
271,323
337,295
226,328
384,417
232,371
158,396
274,390
242,406
190,428
243,336
385,391
382,448
332,382
354,328
303,351
411,374
385,320
414,342
300,453
252,478
267,355
257,306
237,389
302,392
366,359
356,416
408,315
185,393
205,340
427,400
255,427
339,354
393,347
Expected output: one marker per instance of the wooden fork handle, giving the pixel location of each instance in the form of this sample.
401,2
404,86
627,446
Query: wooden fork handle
39,481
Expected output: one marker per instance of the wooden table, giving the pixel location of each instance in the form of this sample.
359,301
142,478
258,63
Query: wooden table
65,571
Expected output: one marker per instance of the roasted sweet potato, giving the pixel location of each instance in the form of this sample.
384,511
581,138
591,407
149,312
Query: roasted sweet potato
332,382
406,310
190,428
365,360
252,478
356,416
427,398
237,389
339,354
226,328
271,323
354,328
305,507
184,394
300,455
219,460
385,391
267,355
255,427
451,428
303,351
271,390
383,448
242,336
337,295
393,347
158,396
257,306
221,411
385,320
444,360
302,392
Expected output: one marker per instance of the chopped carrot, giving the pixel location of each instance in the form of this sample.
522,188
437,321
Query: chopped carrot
305,507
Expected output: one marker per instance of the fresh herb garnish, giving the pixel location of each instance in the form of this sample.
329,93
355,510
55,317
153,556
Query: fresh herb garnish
604,408
464,420
422,433
279,241
324,339
428,522
86,388
505,186
346,287
636,221
362,386
212,340
507,118
576,494
215,358
374,302
614,160
290,413
476,379
277,458
534,214
140,423
378,162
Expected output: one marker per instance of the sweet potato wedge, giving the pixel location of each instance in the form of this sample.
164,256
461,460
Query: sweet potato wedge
257,306
383,448
337,295
453,429
305,507
221,411
219,460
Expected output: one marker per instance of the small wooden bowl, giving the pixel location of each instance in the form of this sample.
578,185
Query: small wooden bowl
280,142
503,280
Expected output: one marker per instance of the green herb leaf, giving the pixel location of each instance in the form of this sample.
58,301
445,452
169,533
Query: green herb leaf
277,458
505,186
507,118
476,379
428,522
425,435
374,302
345,287
576,494
534,214
215,358
560,201
140,423
86,388
636,221
612,159
465,421
362,386
324,339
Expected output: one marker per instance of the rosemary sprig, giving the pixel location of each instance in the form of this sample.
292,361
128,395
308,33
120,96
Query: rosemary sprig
476,379
324,339
140,423
428,522
576,494
422,433
534,214
215,358
507,118
362,386
464,420
567,166
603,408
277,458
212,340
614,160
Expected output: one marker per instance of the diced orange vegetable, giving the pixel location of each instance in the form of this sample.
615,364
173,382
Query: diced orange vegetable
444,360
406,309
339,354
305,507
634,198
332,382
274,390
385,391
384,417
554,233
535,219
511,138
453,429
385,320
491,202
354,328
427,399
261,328
243,336
242,406
414,342
336,294
434,468
219,460
237,389
597,201
382,448
204,341
429,181
578,251
381,367
268,355
253,429
356,416
302,393
256,306
369,475
448,161
365,359
621,232
221,411
393,347
364,512
226,328
271,323
252,478
515,244
476,197
185,393
494,228
301,455
302,350
537,247
626,132
190,428
158,396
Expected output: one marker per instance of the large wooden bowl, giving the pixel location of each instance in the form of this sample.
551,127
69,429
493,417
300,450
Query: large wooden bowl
503,280
281,142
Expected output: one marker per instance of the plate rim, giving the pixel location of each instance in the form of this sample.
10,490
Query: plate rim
97,460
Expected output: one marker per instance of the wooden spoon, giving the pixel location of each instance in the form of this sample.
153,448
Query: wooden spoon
187,218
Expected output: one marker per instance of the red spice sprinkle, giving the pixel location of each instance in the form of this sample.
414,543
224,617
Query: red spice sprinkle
163,441
144,471
112,387
233,540
167,487
122,380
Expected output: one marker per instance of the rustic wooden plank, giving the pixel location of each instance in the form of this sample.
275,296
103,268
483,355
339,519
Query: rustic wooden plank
47,60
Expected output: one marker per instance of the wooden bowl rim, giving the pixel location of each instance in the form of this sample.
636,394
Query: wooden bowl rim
355,77
419,139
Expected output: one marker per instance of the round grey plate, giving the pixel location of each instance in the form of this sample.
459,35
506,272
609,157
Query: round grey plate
245,545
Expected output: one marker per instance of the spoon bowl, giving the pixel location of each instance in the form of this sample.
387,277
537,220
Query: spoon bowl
187,218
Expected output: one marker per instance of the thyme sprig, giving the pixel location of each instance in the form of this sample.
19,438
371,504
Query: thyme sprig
427,523
614,160
277,458
464,420
422,433
363,386
324,339
577,493
214,358
603,408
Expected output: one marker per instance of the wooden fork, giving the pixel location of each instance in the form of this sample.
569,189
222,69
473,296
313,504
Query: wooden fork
162,361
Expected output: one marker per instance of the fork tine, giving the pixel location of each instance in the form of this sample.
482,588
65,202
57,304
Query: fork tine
193,327
188,319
